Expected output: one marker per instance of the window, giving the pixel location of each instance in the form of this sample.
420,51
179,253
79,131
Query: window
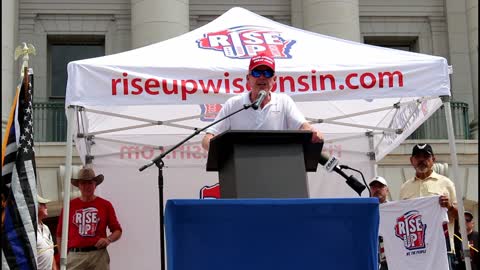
394,42
66,48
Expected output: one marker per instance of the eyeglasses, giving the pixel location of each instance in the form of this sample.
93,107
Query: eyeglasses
267,73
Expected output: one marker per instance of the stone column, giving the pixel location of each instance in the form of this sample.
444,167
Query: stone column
459,54
157,20
9,35
332,18
472,24
296,7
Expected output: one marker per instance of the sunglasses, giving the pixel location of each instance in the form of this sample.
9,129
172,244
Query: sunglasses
267,73
468,219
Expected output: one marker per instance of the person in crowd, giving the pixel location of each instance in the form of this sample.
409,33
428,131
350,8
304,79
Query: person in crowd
472,237
379,189
89,217
426,182
45,245
277,111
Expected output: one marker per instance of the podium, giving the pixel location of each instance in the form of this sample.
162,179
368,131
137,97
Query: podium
279,234
264,163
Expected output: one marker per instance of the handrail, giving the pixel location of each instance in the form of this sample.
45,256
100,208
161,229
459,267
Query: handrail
435,127
50,123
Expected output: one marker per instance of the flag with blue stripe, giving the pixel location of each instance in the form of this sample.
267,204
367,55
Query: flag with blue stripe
18,186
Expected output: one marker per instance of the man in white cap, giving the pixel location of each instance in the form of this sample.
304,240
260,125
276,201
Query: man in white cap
277,111
379,188
89,218
45,246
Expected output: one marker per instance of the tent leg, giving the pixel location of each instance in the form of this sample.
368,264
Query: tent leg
456,180
71,112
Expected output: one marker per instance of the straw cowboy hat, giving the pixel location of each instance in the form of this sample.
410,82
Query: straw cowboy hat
87,174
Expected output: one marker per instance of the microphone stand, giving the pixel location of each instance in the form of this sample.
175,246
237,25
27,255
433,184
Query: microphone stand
159,163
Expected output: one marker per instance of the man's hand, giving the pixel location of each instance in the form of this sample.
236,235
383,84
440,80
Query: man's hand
206,141
317,136
102,243
444,201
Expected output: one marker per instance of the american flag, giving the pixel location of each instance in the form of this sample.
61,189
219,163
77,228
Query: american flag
18,187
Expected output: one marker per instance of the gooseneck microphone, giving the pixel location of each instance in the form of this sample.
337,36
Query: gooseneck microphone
331,164
261,96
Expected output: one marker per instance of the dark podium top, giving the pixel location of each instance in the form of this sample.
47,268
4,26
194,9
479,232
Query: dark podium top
222,145
263,164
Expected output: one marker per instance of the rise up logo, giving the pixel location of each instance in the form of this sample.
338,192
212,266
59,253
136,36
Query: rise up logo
210,192
247,41
209,111
86,220
411,230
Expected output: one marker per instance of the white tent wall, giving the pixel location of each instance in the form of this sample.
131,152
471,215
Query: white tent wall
119,154
133,104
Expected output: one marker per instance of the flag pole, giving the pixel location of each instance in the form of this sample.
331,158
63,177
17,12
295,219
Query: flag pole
25,82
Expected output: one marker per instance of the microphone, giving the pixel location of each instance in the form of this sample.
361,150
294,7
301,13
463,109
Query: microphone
331,164
261,96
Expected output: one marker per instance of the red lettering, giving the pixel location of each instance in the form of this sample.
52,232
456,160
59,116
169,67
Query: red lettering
364,83
125,84
238,85
210,85
227,82
288,79
185,90
390,78
348,80
137,86
152,83
301,81
325,77
314,80
115,82
168,91
147,152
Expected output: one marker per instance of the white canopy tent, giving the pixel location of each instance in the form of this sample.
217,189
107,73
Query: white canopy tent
125,109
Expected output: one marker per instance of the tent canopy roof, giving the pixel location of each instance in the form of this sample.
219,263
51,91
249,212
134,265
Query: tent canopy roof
209,64
343,87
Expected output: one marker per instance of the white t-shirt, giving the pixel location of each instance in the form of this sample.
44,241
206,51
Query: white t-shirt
280,113
413,235
45,249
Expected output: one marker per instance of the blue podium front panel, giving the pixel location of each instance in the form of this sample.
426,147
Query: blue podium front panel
336,234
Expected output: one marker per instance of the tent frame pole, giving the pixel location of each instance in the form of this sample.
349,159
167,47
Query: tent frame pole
71,112
458,184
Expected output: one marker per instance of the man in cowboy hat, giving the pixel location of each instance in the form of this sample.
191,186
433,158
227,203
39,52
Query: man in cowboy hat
45,246
89,218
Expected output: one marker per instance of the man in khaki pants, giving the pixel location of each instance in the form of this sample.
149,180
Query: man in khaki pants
88,220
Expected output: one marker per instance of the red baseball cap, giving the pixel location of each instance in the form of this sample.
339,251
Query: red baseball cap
262,60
